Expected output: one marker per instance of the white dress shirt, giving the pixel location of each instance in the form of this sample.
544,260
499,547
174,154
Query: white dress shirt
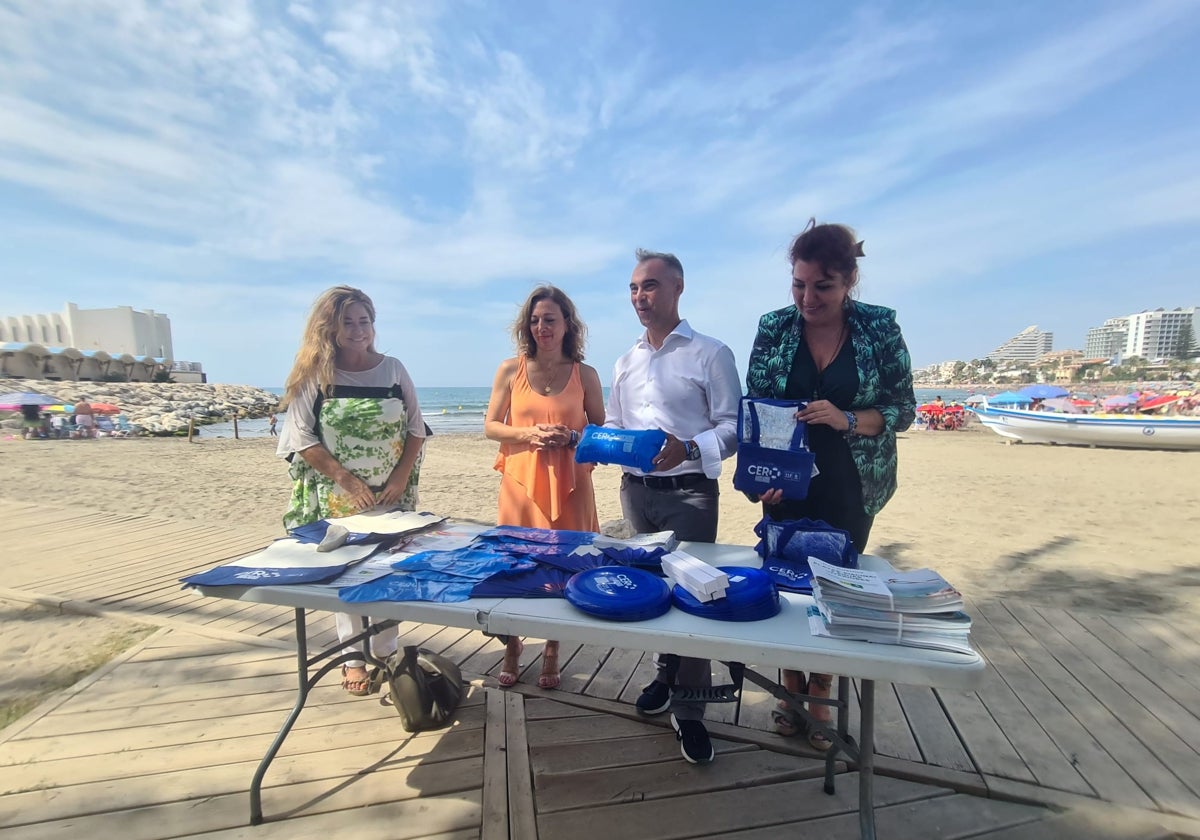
689,388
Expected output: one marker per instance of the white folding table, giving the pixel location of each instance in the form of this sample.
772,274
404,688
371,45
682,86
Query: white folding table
783,641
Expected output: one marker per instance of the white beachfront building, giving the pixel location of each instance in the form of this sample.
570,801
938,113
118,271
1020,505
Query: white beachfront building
1150,334
1029,345
91,344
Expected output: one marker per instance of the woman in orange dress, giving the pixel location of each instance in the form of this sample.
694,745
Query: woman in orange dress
541,400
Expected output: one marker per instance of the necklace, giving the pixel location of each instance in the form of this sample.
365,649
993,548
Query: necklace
549,386
824,361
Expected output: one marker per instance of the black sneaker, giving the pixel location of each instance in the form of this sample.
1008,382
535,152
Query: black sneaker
693,740
655,699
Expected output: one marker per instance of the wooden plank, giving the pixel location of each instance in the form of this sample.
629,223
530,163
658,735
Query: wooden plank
893,736
313,811
1046,691
522,819
1145,748
543,708
714,812
944,817
134,761
494,819
662,780
1169,697
178,785
576,729
935,735
1077,825
623,753
1001,694
982,737
613,676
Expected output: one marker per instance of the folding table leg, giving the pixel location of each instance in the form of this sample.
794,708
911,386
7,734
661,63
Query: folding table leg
256,814
866,761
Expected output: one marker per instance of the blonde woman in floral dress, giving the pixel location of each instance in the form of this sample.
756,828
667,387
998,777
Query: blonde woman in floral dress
353,433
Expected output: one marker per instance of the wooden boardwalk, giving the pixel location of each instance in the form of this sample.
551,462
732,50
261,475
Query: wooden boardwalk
1086,726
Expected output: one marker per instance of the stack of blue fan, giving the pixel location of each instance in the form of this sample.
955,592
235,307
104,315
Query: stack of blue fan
751,596
618,593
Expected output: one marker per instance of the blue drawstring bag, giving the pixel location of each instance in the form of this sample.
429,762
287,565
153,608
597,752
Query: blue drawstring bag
772,451
627,447
785,547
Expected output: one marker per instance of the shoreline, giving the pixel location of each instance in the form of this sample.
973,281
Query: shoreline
1105,529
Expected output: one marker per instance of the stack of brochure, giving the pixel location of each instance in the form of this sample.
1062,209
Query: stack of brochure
916,609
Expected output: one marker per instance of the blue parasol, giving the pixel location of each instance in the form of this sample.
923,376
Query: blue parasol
1043,392
28,398
1009,398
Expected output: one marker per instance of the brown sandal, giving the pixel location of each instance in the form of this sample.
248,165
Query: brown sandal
359,686
511,669
549,677
819,686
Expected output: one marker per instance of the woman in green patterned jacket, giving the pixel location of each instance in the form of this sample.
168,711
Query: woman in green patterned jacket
848,360
353,433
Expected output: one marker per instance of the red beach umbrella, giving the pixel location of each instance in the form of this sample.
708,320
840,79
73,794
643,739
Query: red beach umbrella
1158,402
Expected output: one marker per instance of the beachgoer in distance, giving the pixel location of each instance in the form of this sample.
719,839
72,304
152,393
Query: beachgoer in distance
31,421
685,384
85,419
271,421
349,453
849,361
541,400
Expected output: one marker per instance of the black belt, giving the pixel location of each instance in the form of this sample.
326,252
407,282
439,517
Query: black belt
669,482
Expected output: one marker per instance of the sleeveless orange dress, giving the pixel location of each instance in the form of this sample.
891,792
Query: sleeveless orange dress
545,488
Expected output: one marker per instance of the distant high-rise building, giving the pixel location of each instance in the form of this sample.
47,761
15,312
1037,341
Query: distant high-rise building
1106,341
1152,335
1026,346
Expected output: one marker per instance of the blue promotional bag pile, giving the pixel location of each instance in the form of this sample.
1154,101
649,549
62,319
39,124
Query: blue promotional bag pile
785,547
772,451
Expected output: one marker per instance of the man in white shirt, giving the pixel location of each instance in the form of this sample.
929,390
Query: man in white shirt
686,384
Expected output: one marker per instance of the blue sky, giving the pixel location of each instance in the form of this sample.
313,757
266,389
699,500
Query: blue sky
1007,164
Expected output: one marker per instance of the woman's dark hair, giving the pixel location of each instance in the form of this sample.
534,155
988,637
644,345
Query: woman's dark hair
834,248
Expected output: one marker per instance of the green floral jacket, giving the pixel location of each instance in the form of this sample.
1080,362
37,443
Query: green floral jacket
884,383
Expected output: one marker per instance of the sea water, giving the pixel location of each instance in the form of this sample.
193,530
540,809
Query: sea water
456,411
448,411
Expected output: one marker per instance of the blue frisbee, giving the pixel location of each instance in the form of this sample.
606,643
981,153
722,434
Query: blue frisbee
751,596
619,593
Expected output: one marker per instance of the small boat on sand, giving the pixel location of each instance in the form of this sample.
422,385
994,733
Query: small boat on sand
1134,431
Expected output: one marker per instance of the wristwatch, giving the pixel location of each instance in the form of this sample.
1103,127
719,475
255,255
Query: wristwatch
691,450
852,427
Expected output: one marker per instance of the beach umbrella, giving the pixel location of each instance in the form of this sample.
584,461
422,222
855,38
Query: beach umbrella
20,398
105,408
975,399
1062,404
1043,392
1158,402
1119,401
1009,398
930,408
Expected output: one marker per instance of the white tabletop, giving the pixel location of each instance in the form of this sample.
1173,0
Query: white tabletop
782,641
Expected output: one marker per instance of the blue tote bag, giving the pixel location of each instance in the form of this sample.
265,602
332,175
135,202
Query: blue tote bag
773,451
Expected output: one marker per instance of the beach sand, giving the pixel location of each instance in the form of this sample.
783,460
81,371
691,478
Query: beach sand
1105,529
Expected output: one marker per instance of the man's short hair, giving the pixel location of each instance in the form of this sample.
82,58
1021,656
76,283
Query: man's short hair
670,259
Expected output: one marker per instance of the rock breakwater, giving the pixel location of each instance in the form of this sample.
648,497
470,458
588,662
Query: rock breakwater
157,408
